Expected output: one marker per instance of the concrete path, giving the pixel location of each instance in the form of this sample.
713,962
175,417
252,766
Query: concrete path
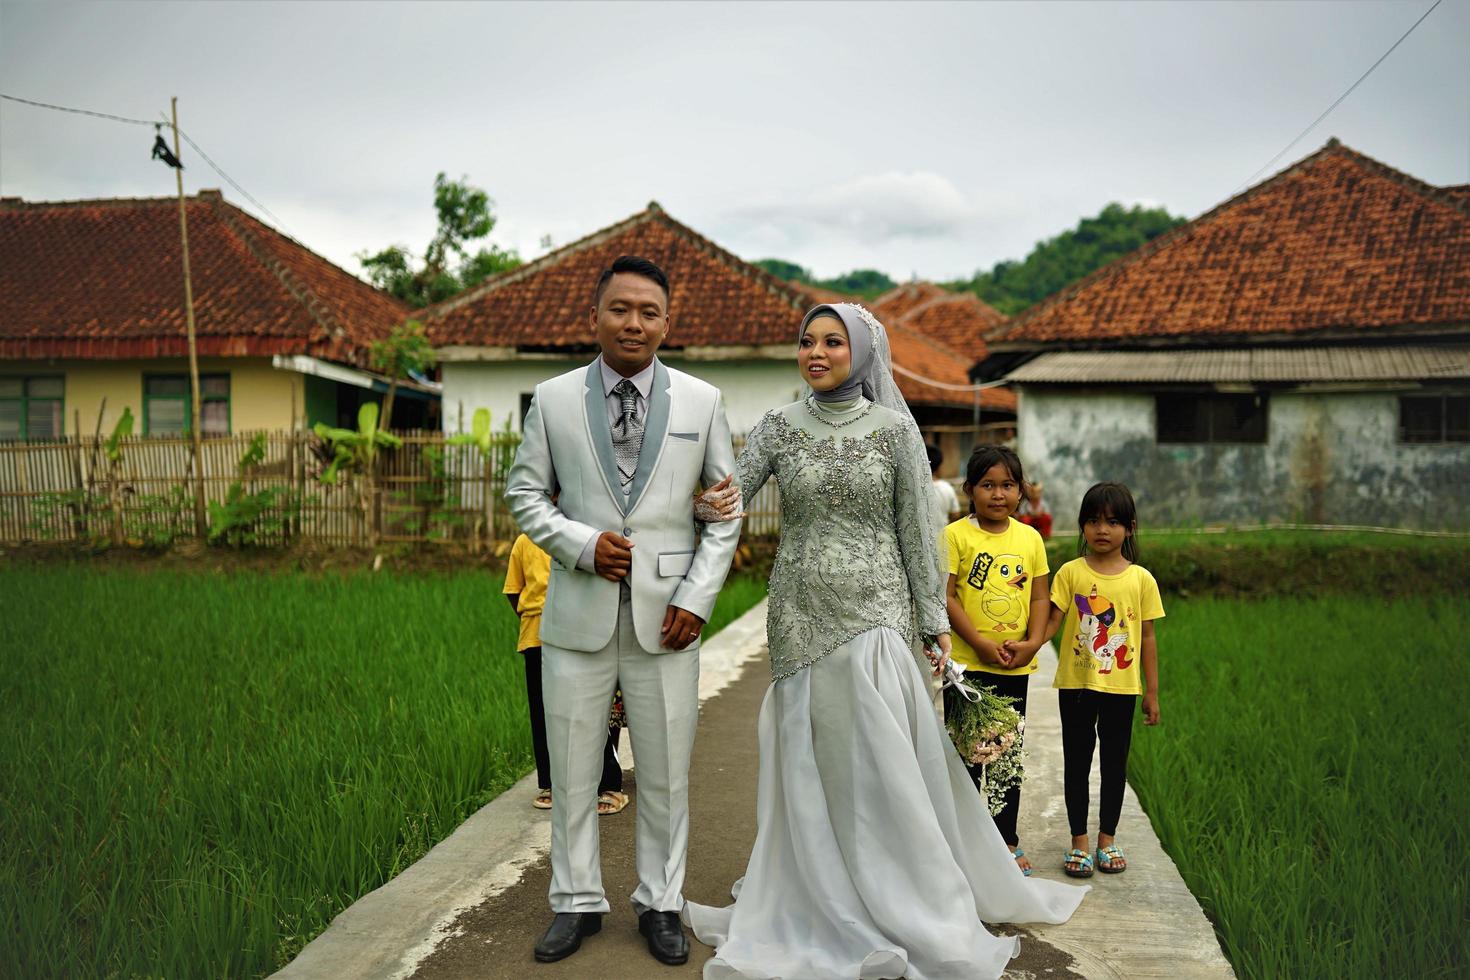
475,905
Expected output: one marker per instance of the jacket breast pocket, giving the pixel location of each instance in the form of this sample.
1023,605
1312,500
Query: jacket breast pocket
685,436
672,564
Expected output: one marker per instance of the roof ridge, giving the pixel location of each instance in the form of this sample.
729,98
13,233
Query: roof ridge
654,212
21,204
935,342
1333,147
299,291
750,270
506,278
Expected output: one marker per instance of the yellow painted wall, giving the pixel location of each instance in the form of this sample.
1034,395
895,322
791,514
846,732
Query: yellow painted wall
260,396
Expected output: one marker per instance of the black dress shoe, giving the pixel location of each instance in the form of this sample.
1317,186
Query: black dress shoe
565,935
665,936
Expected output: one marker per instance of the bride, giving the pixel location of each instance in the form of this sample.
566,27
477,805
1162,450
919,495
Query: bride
874,856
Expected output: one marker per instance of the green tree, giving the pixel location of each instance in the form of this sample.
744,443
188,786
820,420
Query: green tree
1056,263
782,269
859,282
406,349
466,215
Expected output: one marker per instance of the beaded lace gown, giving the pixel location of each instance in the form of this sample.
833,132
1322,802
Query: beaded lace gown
874,855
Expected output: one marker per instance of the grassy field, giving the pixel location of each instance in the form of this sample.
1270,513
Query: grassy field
1276,562
200,771
1310,782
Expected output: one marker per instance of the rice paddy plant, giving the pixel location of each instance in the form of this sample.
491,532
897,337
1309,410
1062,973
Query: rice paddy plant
1309,781
200,771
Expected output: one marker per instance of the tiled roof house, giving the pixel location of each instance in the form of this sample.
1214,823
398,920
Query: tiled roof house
733,324
92,308
1299,353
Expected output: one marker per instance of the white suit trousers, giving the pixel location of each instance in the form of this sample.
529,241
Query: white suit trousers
661,697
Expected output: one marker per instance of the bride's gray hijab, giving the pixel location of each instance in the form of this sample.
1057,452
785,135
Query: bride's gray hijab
859,338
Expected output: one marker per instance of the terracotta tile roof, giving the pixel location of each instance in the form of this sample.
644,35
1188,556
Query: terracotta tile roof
914,353
104,279
902,299
958,320
1337,244
716,299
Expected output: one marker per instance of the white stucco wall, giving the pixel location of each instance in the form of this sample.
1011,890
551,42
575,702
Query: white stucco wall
1330,457
751,387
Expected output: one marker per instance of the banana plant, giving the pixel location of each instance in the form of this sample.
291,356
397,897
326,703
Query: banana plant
494,447
355,449
358,450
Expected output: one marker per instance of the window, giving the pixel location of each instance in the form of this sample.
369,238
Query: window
30,408
1434,418
1211,417
166,404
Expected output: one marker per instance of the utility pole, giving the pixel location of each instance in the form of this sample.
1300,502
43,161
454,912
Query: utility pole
196,419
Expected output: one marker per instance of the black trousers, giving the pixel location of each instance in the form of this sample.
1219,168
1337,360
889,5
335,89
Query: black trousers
612,769
1007,685
1094,718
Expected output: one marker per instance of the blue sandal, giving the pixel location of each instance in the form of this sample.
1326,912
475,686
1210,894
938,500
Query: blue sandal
1079,858
1110,855
1017,853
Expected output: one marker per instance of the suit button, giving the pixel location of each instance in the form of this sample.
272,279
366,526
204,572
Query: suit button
627,531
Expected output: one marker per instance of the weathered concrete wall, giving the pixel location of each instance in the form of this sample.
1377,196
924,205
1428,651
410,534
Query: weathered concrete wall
1330,457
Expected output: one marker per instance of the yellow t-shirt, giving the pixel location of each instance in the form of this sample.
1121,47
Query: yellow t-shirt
993,575
527,572
1102,633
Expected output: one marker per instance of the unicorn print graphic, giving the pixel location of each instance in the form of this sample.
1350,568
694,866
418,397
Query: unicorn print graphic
1097,616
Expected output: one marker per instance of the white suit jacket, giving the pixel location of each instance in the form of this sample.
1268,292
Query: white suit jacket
567,442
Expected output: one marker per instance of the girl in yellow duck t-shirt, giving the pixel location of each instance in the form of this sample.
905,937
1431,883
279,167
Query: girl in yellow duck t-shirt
996,597
1106,658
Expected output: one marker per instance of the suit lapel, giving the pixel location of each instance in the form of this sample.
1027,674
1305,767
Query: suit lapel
595,415
655,432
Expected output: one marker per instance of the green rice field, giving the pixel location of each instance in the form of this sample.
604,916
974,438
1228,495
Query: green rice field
1309,780
201,770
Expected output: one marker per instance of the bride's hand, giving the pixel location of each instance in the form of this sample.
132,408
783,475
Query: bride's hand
940,659
719,503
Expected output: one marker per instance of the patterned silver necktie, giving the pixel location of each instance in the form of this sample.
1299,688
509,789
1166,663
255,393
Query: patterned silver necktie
627,433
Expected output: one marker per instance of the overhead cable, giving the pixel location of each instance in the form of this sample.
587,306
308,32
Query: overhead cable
1251,179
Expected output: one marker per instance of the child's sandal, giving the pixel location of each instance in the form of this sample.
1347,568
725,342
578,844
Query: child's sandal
1108,858
1081,860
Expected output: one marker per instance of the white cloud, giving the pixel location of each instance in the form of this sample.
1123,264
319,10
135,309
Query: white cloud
872,208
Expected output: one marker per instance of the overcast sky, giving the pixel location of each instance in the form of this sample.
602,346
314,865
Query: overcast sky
928,139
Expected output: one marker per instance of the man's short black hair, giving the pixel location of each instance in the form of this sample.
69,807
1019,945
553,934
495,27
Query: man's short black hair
638,266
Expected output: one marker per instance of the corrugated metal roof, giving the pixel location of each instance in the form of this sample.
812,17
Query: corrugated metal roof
1243,365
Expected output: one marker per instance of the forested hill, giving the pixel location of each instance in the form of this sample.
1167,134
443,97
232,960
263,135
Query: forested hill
1058,262
1011,286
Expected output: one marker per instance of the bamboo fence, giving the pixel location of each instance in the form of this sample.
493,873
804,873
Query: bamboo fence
427,492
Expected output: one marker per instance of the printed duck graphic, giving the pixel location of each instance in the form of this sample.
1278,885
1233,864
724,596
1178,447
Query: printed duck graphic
1003,598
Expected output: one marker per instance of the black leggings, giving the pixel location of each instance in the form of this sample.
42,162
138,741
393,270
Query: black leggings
612,769
1011,686
1088,718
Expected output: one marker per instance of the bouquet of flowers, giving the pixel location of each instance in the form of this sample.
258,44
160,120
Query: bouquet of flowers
987,731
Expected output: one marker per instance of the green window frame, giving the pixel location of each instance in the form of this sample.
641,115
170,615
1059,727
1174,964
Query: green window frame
32,406
167,404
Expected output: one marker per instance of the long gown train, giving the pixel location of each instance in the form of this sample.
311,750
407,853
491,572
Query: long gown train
874,855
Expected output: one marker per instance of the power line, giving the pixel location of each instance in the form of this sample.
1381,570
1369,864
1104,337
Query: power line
148,122
1251,179
232,182
80,112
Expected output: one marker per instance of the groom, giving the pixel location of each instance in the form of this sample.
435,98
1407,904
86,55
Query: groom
627,441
